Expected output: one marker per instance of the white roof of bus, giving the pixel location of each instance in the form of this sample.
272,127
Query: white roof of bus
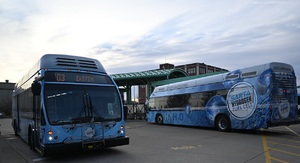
190,83
251,71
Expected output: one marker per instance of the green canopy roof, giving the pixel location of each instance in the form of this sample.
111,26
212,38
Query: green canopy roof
144,77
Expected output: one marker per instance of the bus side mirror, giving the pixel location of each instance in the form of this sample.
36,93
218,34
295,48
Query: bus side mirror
36,88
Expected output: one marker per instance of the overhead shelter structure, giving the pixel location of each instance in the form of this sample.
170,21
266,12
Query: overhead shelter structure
127,80
164,82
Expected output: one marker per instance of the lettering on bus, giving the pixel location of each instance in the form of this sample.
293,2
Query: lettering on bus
241,100
282,68
60,77
82,78
76,77
174,117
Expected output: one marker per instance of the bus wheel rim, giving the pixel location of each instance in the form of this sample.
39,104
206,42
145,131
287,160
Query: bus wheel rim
222,124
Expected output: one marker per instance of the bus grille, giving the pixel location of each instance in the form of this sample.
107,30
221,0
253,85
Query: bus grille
71,62
284,81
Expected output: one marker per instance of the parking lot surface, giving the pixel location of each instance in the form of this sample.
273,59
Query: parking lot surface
165,143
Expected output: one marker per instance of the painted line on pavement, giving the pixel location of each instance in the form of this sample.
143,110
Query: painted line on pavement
286,152
266,149
292,131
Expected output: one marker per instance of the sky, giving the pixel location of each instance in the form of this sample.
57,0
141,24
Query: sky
138,35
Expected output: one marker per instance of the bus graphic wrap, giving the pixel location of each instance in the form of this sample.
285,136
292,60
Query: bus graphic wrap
241,100
251,98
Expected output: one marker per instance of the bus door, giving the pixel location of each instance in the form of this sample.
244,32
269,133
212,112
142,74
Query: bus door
37,120
36,89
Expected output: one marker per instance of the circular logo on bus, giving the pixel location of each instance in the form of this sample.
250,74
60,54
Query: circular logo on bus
284,109
241,100
89,132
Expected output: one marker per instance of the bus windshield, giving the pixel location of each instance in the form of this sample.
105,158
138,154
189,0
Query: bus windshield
81,104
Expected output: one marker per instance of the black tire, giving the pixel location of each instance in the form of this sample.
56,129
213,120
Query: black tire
223,123
15,129
43,153
159,119
31,139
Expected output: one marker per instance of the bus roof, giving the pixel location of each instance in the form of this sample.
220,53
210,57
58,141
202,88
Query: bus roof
63,61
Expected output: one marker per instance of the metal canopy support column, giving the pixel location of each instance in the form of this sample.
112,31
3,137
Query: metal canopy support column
149,90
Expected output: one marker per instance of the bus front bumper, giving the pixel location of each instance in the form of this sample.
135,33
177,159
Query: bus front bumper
61,147
117,142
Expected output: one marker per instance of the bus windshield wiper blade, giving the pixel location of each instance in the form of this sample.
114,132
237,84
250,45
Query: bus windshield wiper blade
85,108
88,113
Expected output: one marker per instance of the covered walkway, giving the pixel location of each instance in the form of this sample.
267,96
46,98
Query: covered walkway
127,80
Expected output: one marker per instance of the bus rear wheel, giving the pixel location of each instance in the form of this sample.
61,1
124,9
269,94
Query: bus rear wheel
159,119
223,123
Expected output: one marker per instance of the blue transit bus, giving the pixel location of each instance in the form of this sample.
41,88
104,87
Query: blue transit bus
68,102
251,98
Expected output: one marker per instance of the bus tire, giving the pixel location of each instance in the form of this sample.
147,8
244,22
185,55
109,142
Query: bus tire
43,152
223,123
15,128
31,139
159,119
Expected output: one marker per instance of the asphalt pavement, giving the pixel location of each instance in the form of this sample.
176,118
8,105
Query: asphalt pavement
7,153
166,143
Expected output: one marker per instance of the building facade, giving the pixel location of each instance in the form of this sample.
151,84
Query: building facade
6,90
192,69
199,68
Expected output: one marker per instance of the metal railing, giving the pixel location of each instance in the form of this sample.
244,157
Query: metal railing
136,111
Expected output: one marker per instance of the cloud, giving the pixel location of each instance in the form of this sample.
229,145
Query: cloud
131,36
249,34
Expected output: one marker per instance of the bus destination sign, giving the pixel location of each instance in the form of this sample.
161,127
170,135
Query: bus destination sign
76,77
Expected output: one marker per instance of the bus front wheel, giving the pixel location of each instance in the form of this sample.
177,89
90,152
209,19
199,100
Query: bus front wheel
223,123
31,139
15,128
159,119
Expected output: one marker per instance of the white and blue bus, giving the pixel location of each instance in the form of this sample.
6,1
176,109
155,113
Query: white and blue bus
68,102
251,98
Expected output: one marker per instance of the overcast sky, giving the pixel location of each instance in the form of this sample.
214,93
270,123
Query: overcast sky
138,35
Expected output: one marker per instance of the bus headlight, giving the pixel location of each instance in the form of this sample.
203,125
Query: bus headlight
50,133
122,130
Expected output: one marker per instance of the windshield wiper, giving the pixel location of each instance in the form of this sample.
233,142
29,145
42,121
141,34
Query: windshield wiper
89,111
